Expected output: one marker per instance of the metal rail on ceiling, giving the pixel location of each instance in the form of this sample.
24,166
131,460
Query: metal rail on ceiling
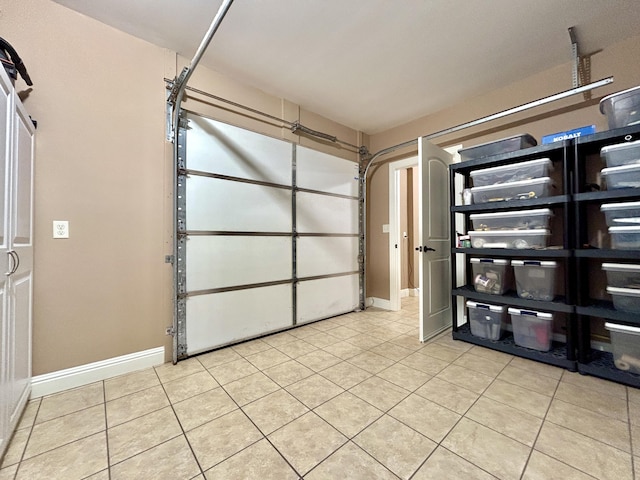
294,126
494,116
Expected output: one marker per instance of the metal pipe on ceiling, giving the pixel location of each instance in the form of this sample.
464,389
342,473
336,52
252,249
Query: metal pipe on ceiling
494,116
473,123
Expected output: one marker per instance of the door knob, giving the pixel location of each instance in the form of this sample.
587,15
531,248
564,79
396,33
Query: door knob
429,249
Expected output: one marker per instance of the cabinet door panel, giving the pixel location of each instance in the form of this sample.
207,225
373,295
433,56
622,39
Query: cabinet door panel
20,309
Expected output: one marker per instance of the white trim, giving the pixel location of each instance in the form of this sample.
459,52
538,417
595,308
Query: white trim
394,228
414,292
460,264
404,293
93,372
379,303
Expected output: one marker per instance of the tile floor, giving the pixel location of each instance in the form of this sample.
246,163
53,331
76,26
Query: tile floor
353,397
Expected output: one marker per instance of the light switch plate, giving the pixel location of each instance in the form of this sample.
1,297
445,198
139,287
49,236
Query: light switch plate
385,228
60,229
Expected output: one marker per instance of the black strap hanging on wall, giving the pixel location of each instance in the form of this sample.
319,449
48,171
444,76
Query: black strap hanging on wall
12,62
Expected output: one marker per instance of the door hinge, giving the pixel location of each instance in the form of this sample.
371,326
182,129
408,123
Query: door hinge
169,259
170,331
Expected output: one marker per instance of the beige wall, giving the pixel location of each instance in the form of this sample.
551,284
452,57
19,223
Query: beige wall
621,60
103,164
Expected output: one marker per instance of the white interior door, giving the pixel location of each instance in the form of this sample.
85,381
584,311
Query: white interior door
434,239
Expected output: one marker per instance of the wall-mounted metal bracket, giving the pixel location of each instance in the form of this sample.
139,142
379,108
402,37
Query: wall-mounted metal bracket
175,87
298,127
581,70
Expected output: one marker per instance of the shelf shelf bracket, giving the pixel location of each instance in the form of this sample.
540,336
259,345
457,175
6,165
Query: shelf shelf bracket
581,71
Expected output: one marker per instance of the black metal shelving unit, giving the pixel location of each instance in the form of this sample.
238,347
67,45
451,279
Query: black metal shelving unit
587,162
561,354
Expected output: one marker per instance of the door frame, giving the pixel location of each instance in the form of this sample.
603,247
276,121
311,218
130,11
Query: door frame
395,267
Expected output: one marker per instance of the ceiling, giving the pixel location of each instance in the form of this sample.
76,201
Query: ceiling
375,64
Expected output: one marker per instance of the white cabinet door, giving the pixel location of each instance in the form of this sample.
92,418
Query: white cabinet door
21,245
6,120
16,257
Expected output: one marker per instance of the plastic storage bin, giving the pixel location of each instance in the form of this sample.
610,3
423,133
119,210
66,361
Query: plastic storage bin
621,154
625,299
535,280
531,329
493,276
625,341
525,189
505,145
622,275
622,108
486,320
627,213
626,176
512,173
623,238
510,238
527,219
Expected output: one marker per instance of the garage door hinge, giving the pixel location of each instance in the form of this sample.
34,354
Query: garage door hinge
169,259
170,331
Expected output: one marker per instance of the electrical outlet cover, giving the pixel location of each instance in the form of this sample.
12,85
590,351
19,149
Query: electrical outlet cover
60,229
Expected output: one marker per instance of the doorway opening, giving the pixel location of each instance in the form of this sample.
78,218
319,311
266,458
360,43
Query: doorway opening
407,228
403,231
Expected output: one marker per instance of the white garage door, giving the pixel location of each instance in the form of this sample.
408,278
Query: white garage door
268,235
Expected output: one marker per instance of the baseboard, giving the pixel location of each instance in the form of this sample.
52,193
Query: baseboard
404,293
55,382
378,302
414,292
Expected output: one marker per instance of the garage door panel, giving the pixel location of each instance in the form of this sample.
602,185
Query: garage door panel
327,297
321,171
228,261
222,205
227,150
326,255
316,213
238,220
222,318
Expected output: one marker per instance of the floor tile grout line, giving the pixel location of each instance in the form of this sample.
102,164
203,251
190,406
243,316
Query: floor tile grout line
26,444
106,431
568,400
439,445
68,414
592,438
261,432
184,435
350,440
465,417
535,441
630,427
